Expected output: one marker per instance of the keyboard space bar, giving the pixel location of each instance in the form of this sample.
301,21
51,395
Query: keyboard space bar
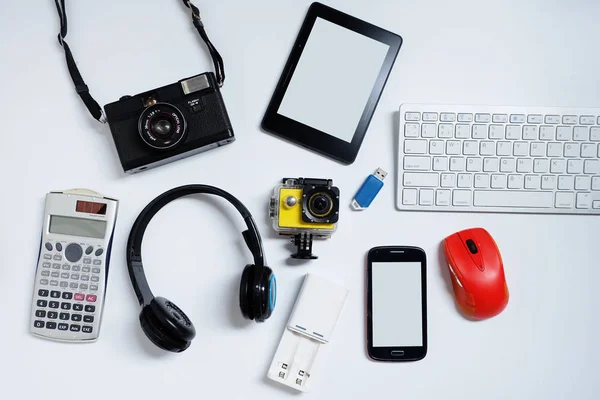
513,199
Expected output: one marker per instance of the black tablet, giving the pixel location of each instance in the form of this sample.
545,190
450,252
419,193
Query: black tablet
331,84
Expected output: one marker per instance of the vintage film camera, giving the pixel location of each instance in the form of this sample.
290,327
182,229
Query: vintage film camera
305,209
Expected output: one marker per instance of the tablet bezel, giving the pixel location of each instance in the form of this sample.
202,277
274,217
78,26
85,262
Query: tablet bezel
312,138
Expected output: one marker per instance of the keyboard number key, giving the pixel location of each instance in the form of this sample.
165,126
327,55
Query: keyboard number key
530,132
564,133
581,133
547,133
513,132
496,132
479,132
595,133
428,130
446,131
464,131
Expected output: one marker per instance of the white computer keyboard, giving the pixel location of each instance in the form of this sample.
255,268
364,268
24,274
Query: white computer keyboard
499,159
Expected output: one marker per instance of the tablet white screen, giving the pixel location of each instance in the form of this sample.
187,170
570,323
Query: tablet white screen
333,79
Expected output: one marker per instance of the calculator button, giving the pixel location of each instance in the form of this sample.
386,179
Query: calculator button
63,327
86,329
46,265
65,306
96,270
43,293
64,275
46,273
48,246
52,314
58,247
76,268
47,257
57,257
66,267
73,285
53,304
53,283
99,252
85,277
75,328
83,286
42,303
89,308
67,295
95,279
40,313
75,276
56,266
73,252
39,324
87,260
51,325
91,298
88,318
93,287
55,294
64,284
97,262
65,316
43,281
79,297
77,307
89,250
76,317
85,269
55,274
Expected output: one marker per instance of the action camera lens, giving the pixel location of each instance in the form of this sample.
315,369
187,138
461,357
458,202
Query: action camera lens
162,126
320,204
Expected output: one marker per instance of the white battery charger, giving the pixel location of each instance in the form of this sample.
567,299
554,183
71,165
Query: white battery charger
310,326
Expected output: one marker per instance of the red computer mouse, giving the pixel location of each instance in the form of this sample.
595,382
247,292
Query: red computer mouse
477,273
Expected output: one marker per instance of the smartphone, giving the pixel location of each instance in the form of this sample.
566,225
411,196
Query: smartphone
397,303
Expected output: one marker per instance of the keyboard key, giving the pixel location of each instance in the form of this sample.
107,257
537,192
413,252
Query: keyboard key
596,183
586,120
91,309
470,147
555,149
535,119
513,132
446,131
524,165
428,130
575,166
482,181
487,148
426,197
588,150
512,199
500,118
498,181
87,278
569,119
582,182
42,303
421,179
45,273
558,166
530,132
75,328
483,118
457,164
76,317
566,182
447,117
595,134
564,200
77,307
532,181
67,296
64,316
436,147
44,282
40,314
464,131
440,163
474,164
464,117
465,180
53,283
92,297
83,286
52,314
517,118
442,197
39,324
496,132
581,133
584,200
515,181
591,167
504,149
409,198
453,147
46,265
86,329
430,116
415,146
47,257
490,164
43,293
547,133
596,204
65,306
508,165
521,149
448,180
564,133
55,294
480,132
462,198
411,130
538,149
79,297
409,116
53,304
417,163
51,325
66,267
94,287
63,327
548,182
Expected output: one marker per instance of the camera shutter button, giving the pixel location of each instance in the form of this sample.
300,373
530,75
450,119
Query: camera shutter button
125,97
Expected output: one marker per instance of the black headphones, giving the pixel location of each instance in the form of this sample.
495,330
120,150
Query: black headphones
165,324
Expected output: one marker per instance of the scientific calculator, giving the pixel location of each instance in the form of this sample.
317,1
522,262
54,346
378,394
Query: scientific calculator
72,268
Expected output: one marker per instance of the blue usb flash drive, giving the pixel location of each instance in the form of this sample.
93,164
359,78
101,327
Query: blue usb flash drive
369,189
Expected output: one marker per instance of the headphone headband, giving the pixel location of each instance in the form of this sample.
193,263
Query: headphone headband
134,243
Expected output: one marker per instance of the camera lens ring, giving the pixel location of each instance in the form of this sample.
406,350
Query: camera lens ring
150,126
320,204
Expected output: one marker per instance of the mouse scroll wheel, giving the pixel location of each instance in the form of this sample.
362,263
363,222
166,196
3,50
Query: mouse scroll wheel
472,246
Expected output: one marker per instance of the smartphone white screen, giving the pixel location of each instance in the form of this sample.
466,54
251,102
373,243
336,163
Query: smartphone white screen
397,310
333,80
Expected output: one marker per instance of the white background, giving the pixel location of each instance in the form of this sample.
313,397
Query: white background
333,79
397,311
543,346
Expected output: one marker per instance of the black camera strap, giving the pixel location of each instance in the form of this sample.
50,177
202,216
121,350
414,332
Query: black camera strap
82,89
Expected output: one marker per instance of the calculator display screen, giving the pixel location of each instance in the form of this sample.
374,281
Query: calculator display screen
90,207
77,227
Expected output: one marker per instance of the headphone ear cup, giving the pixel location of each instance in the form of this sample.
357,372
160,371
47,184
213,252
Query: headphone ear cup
265,293
166,325
246,289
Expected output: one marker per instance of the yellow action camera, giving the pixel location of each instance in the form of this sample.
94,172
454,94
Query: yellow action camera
305,209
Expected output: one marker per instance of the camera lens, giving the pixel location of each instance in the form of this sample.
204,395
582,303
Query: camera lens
320,204
162,126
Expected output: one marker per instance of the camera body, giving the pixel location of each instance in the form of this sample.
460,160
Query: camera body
304,209
169,123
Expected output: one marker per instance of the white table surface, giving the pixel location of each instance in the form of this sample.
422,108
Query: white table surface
540,52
